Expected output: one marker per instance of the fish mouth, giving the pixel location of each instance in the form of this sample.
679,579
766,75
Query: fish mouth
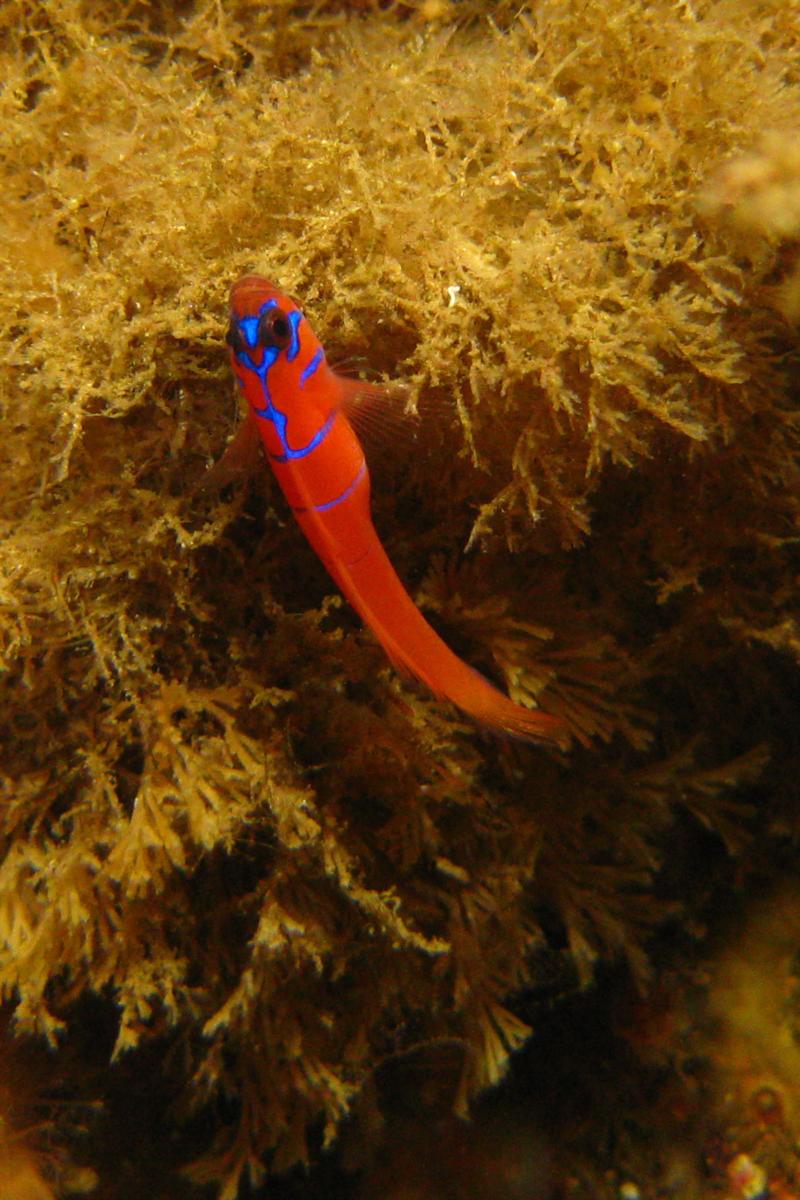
250,292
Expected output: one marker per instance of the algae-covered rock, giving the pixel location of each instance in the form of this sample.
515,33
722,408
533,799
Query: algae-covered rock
570,229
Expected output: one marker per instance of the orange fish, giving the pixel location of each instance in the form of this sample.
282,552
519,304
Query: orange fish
299,406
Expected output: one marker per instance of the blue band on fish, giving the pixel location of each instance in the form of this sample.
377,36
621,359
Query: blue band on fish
348,491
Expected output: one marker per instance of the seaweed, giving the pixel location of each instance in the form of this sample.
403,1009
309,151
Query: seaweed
571,230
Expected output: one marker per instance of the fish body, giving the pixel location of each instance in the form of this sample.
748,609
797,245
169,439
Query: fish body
299,407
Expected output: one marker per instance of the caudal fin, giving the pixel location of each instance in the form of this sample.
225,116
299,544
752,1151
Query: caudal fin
490,707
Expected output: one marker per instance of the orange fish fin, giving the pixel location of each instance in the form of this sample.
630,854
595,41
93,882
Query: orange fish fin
504,717
240,459
379,413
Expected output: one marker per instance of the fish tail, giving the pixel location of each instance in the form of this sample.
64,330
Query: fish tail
414,648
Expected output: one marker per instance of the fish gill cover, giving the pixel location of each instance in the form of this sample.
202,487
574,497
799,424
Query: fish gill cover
571,229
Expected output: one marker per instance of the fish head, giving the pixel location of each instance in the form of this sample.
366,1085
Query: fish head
273,348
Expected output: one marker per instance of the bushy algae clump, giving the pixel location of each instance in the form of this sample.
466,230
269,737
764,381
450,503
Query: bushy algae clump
222,813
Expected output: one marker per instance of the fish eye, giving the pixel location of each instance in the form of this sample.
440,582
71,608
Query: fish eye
274,330
234,338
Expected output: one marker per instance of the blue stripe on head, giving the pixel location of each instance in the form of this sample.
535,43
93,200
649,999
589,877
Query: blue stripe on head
267,360
248,327
308,371
294,346
280,422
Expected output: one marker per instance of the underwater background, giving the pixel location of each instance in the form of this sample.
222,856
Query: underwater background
273,921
